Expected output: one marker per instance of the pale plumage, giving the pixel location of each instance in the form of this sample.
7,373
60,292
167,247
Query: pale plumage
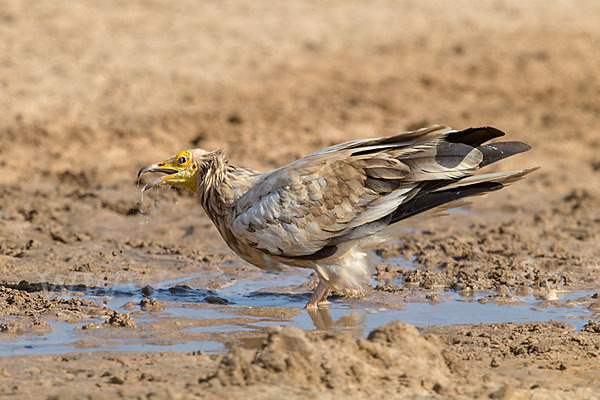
327,210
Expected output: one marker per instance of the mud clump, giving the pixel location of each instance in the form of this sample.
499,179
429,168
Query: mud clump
151,305
120,320
592,326
393,359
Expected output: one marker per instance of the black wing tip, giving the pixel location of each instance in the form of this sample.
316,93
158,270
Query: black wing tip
429,200
497,151
474,136
524,146
497,132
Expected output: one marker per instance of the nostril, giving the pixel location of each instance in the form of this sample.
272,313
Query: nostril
161,164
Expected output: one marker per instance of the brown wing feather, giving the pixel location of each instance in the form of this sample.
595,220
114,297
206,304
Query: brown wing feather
298,215
355,189
298,209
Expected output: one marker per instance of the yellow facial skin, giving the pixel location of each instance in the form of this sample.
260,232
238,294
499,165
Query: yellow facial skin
181,170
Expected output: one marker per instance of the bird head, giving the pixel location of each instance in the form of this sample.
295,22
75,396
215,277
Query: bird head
182,169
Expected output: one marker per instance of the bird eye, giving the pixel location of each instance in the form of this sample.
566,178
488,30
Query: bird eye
182,160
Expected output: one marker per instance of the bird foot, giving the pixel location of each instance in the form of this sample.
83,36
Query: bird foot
323,303
318,298
317,305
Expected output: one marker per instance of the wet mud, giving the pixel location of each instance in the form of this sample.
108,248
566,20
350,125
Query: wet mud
104,296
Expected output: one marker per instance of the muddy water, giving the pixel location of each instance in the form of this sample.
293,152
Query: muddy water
184,317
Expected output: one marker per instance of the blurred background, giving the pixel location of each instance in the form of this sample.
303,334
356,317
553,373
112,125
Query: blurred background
90,91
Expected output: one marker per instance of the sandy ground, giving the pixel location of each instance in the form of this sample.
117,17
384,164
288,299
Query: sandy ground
91,91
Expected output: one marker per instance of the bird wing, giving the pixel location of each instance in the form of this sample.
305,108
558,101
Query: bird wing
345,192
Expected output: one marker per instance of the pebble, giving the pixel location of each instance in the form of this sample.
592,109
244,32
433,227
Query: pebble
91,325
216,300
147,290
117,380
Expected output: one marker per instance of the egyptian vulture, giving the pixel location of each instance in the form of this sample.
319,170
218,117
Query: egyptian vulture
328,210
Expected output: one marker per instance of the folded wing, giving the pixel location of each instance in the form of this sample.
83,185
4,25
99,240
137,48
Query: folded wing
304,210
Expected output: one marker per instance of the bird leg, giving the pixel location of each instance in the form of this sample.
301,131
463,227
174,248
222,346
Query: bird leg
319,296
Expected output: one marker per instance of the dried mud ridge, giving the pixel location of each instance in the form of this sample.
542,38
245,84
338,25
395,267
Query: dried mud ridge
395,354
396,359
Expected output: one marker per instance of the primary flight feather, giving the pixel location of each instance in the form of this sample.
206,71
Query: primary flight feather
327,210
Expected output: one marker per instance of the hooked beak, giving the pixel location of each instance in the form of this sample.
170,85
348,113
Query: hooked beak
156,168
177,175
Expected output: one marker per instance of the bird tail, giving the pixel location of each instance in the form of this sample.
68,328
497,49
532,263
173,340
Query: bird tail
436,203
475,185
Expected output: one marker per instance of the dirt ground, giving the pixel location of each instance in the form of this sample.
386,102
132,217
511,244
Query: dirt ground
91,91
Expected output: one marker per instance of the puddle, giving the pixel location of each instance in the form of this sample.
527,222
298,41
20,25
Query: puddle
188,322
